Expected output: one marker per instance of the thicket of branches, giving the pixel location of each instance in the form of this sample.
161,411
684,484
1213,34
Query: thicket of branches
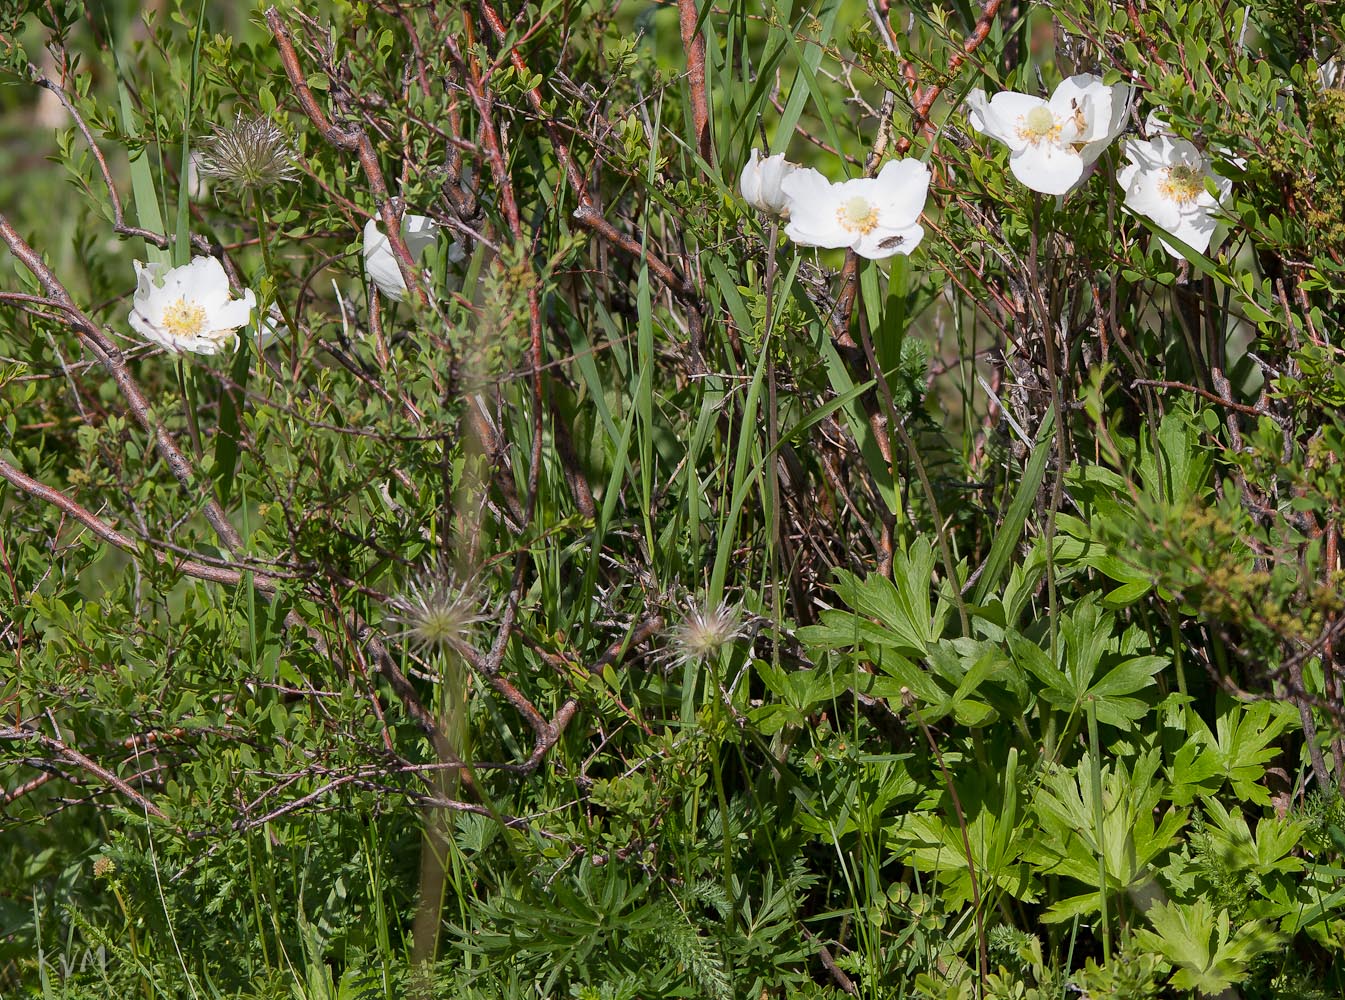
572,586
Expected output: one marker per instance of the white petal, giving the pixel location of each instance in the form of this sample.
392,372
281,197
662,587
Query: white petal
1224,187
1047,168
211,343
1079,88
1120,109
1002,116
205,282
900,190
380,263
151,331
1146,156
1127,174
1195,230
884,242
813,201
233,314
980,116
749,181
1083,99
760,182
819,233
1179,151
1145,197
418,233
774,170
147,278
197,282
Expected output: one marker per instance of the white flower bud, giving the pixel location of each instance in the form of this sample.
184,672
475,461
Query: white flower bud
761,183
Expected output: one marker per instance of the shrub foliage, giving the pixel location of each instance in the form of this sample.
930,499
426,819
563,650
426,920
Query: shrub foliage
620,600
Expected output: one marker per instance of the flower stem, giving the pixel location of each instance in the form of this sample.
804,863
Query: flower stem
269,270
189,407
895,421
1053,376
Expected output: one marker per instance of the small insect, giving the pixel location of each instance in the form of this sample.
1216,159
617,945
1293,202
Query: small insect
1079,119
890,242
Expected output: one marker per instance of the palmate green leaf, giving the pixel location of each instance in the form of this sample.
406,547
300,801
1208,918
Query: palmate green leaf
797,694
1236,751
1266,852
950,681
1130,842
1088,647
902,605
999,842
1208,954
1178,470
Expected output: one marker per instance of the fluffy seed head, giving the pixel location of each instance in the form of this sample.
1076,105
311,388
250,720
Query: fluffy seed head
704,631
436,615
250,154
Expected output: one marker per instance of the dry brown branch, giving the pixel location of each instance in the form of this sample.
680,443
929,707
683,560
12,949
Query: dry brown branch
353,140
69,753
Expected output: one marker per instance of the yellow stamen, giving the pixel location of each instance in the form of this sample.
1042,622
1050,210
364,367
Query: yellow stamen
1182,184
858,215
1039,125
184,319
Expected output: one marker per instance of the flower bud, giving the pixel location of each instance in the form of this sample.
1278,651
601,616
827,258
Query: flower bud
761,180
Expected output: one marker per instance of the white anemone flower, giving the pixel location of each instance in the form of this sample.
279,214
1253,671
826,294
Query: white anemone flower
1331,74
189,308
380,263
874,216
1054,143
761,182
1165,181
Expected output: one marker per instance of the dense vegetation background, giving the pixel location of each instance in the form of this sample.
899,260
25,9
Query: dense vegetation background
644,605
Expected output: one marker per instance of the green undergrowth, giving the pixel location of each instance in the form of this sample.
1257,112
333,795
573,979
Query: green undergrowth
641,613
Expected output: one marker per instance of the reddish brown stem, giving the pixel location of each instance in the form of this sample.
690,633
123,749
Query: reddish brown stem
352,140
693,43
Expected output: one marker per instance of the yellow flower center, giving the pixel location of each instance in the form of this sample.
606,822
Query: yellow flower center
184,319
858,215
1039,125
1182,184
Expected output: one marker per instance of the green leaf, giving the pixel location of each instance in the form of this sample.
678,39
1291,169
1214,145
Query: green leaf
1209,956
1011,530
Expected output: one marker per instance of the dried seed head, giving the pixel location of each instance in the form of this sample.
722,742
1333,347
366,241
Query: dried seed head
250,154
434,615
104,867
704,631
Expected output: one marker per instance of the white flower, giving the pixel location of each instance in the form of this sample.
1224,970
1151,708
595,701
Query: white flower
380,263
1165,181
1331,73
1054,143
875,217
761,180
189,308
